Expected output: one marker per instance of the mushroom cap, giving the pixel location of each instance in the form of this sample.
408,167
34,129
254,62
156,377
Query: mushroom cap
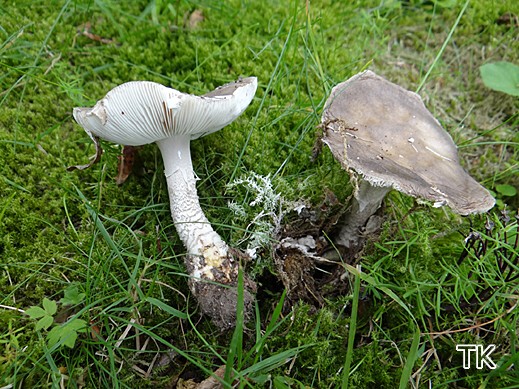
142,112
386,134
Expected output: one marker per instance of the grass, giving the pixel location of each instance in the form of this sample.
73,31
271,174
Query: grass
109,256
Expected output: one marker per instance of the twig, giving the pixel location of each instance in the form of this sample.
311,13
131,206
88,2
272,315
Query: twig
166,286
446,332
125,333
12,308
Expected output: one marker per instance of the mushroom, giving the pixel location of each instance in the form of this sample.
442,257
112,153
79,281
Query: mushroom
142,112
387,139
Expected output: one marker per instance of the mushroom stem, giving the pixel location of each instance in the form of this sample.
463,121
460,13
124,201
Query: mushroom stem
366,200
192,226
210,263
142,112
206,249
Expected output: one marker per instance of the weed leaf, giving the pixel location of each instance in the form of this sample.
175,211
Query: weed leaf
44,323
501,76
506,190
70,339
35,312
54,335
76,325
66,333
72,296
50,306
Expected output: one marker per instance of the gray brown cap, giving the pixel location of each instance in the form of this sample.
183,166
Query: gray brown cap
386,134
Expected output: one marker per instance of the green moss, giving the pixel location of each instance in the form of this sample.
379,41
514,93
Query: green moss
119,243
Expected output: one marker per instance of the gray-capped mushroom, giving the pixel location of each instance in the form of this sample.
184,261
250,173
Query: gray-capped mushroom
142,112
386,136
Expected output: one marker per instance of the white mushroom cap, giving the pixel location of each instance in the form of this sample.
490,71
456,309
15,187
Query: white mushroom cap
142,112
386,134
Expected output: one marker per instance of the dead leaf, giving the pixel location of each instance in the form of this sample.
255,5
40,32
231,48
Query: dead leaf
196,17
126,161
508,19
186,384
95,159
210,383
95,331
85,29
213,382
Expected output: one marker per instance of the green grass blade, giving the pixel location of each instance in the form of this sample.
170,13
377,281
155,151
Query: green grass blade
165,307
370,280
410,360
274,361
236,346
261,339
351,330
442,49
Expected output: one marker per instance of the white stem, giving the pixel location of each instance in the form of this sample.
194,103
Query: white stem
209,258
367,199
192,226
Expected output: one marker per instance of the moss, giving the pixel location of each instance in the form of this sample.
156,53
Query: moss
53,222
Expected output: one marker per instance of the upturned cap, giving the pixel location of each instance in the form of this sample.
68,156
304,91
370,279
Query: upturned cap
386,134
142,112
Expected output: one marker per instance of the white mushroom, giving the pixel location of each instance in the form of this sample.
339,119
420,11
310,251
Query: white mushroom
386,135
142,112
